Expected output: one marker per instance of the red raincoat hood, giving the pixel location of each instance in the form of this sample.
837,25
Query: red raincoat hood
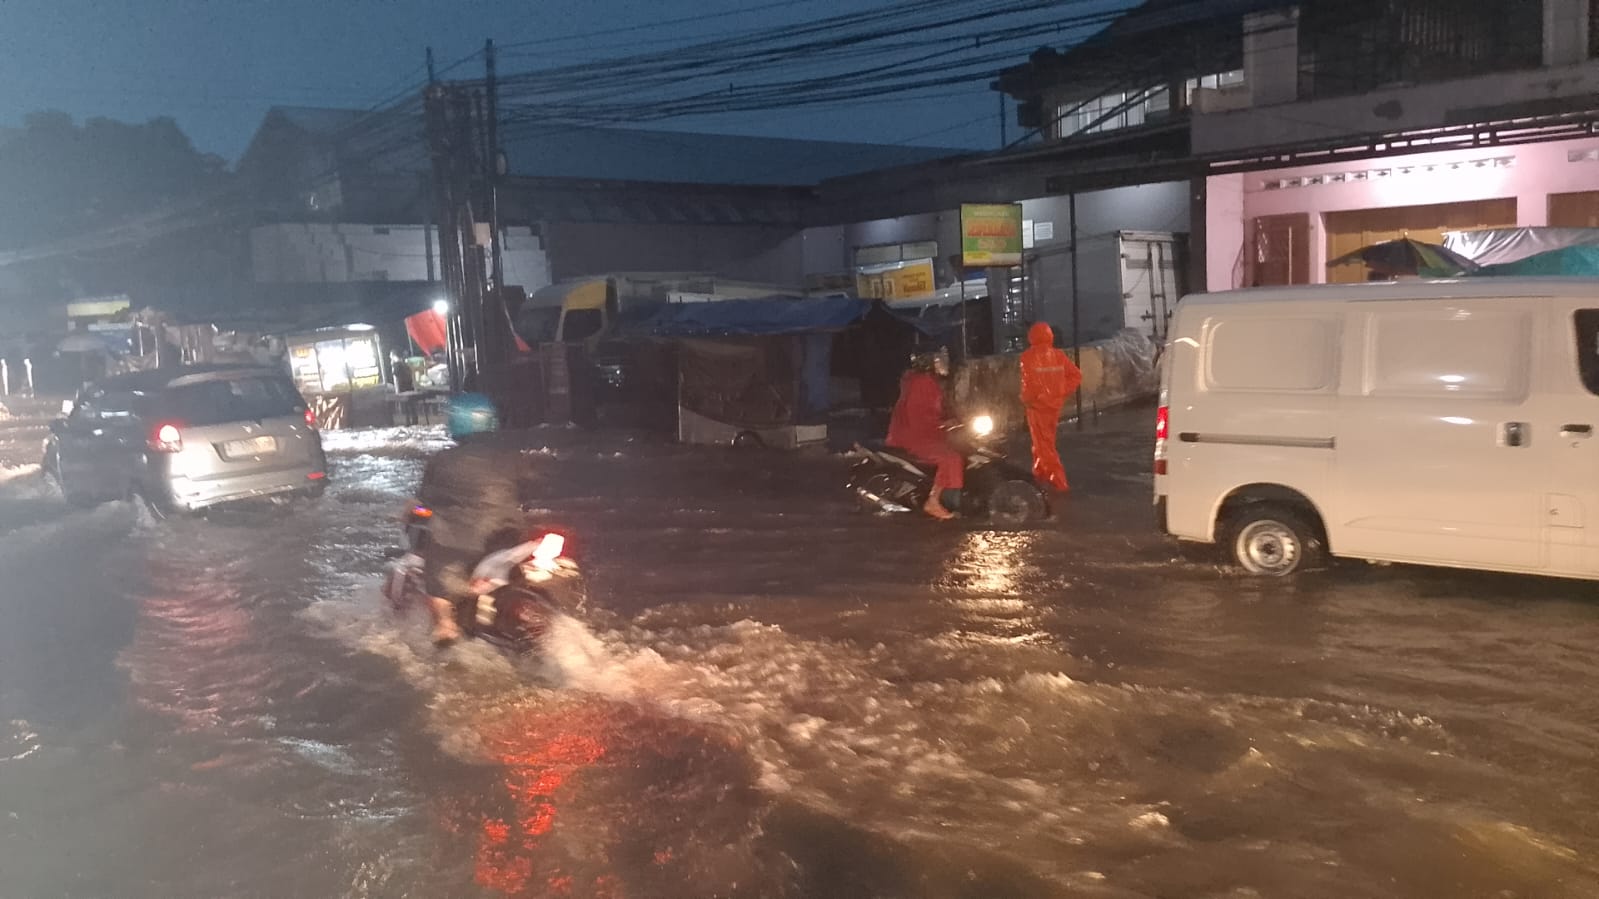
1041,334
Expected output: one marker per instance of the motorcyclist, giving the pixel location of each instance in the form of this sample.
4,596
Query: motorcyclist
917,427
472,490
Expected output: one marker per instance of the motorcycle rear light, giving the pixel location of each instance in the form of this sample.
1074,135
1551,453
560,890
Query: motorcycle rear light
422,512
316,476
166,438
310,418
549,548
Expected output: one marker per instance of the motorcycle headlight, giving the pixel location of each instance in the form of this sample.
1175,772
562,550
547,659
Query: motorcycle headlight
983,425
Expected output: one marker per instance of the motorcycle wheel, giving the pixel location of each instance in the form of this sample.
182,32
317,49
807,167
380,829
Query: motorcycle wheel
522,616
1013,504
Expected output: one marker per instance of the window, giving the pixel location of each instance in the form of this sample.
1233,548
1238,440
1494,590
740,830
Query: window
1455,353
581,324
1587,322
1126,109
1272,354
1219,81
539,325
225,400
119,405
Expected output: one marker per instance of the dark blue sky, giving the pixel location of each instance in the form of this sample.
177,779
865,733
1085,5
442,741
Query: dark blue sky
217,65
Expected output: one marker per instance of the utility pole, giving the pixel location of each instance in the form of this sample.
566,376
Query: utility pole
492,159
463,144
447,116
435,121
1077,306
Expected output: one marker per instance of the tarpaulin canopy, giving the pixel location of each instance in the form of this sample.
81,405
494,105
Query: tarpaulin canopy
1492,246
767,317
1576,261
428,331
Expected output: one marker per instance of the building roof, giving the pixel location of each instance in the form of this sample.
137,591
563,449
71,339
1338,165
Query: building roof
1140,46
394,142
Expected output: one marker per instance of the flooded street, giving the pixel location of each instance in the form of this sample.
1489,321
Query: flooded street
774,696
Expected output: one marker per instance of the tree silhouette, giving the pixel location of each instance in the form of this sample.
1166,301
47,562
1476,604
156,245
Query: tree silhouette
60,179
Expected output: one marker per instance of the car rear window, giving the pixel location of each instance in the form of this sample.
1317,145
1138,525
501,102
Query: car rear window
247,398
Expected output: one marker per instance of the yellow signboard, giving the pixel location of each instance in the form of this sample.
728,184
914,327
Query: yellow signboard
991,235
906,281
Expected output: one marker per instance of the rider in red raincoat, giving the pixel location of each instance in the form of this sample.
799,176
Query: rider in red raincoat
917,427
1048,379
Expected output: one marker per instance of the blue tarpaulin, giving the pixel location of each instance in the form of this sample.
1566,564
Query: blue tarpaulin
767,317
1576,261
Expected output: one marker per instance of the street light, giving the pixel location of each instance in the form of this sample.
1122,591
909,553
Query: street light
441,307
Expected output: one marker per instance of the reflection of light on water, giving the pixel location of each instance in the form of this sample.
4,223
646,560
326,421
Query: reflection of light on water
991,566
992,560
536,762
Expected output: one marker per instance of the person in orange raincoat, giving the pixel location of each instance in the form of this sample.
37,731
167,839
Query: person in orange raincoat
1049,378
917,427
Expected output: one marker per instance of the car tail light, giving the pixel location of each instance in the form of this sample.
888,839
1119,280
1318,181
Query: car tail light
549,548
310,418
1162,428
166,438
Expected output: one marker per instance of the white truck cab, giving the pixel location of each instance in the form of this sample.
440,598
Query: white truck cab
1447,423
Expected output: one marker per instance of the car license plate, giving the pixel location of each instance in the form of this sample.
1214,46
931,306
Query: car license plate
255,446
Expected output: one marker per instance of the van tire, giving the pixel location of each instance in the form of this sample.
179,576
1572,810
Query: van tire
1271,540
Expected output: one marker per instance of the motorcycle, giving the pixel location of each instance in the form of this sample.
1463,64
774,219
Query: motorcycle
888,480
516,589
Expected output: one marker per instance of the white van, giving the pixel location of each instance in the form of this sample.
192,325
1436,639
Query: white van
1444,423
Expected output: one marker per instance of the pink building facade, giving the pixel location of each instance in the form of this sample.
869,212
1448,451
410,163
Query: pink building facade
1528,174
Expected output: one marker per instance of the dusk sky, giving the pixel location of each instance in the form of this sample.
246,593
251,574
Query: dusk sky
217,66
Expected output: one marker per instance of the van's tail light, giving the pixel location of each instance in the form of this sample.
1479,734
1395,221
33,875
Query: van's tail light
310,418
166,438
1162,428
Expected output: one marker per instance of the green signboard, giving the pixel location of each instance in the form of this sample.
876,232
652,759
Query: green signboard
991,235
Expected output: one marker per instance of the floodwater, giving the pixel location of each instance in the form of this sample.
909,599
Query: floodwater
774,697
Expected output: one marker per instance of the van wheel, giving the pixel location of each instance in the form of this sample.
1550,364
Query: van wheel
1274,541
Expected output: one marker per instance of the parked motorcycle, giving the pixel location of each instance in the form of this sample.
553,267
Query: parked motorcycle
889,480
517,588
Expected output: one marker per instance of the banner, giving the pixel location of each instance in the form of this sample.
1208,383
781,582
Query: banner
907,281
991,235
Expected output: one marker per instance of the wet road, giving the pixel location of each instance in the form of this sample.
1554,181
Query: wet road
776,698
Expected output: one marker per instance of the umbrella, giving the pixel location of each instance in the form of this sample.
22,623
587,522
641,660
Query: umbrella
1406,256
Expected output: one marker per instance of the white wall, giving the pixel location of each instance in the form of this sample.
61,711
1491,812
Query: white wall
300,253
1390,111
1225,232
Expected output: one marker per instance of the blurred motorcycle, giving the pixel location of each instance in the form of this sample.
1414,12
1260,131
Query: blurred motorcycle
516,588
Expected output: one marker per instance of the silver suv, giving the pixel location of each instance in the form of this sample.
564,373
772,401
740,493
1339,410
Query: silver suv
187,438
